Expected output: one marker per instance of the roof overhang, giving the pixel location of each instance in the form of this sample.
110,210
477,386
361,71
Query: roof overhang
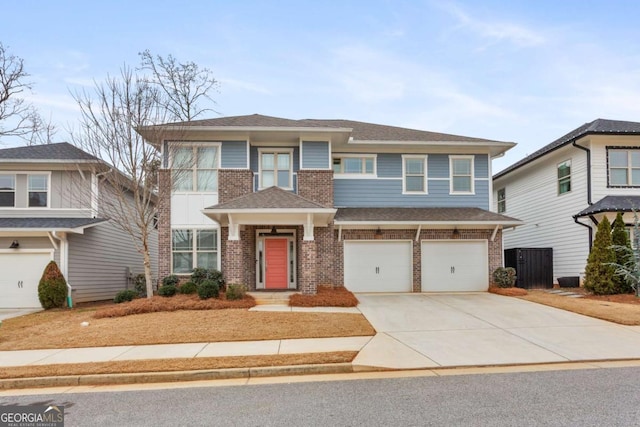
428,224
271,216
31,231
495,148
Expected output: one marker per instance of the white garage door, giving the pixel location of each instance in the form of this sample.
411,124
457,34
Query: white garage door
378,266
455,266
19,277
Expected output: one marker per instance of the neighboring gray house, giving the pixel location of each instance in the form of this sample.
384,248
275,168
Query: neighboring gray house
564,189
50,210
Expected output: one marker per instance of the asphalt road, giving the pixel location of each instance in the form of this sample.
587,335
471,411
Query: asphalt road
589,397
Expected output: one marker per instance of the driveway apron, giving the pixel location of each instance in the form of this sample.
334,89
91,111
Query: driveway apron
479,329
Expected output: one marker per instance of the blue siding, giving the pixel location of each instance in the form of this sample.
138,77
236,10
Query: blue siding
315,155
438,166
389,165
388,193
481,164
234,154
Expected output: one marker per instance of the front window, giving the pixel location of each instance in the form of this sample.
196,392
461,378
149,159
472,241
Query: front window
354,165
7,191
564,177
502,200
275,170
462,174
194,248
195,169
624,167
38,191
415,174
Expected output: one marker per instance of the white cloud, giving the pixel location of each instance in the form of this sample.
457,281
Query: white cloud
493,32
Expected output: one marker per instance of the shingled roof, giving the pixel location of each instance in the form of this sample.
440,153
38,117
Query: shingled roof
596,127
269,198
49,223
360,130
611,204
448,215
48,152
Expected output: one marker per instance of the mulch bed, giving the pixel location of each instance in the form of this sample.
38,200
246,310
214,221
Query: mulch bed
508,292
327,296
174,303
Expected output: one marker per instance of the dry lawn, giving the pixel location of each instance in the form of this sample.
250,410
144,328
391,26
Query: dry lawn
62,328
327,296
171,365
622,313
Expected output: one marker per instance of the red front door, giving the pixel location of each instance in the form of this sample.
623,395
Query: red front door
276,264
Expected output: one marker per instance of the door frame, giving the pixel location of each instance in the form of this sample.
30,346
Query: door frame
292,259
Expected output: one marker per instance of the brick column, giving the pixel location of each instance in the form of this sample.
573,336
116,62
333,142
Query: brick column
308,276
233,267
164,223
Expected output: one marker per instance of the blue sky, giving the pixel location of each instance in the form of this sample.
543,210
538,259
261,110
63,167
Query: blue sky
521,71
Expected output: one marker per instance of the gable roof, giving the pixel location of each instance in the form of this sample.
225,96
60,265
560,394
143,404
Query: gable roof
269,198
596,127
359,130
61,151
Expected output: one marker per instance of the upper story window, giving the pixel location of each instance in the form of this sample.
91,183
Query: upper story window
7,191
38,191
414,174
461,170
564,177
624,167
195,169
502,200
354,165
276,169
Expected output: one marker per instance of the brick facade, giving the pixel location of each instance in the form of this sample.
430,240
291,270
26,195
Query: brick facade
307,276
164,223
233,183
317,186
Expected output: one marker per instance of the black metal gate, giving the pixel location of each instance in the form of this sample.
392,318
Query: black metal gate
534,266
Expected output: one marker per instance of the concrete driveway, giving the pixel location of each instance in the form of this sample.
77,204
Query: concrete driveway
479,329
8,313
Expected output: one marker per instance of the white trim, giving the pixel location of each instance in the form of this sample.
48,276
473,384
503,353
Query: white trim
564,177
275,151
194,145
95,188
194,246
361,175
453,157
425,181
29,251
431,223
248,154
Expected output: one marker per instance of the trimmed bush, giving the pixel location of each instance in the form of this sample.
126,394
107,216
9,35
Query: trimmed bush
208,289
235,291
171,280
188,288
199,275
167,291
599,272
140,285
504,277
216,276
52,289
126,295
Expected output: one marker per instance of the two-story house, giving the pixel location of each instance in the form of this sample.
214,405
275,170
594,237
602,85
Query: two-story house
563,190
289,204
51,208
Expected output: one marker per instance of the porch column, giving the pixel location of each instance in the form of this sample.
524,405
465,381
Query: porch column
308,276
234,265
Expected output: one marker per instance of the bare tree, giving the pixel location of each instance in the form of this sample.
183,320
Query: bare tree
183,85
17,117
41,132
109,119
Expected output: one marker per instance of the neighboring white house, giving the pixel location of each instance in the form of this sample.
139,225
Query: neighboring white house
52,207
563,190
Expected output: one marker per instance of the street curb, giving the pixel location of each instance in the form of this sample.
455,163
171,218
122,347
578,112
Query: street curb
177,376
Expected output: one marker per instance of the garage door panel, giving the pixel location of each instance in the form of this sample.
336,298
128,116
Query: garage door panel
21,273
378,266
454,266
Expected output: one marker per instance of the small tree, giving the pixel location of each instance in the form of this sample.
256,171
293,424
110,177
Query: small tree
629,270
52,289
600,271
623,253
